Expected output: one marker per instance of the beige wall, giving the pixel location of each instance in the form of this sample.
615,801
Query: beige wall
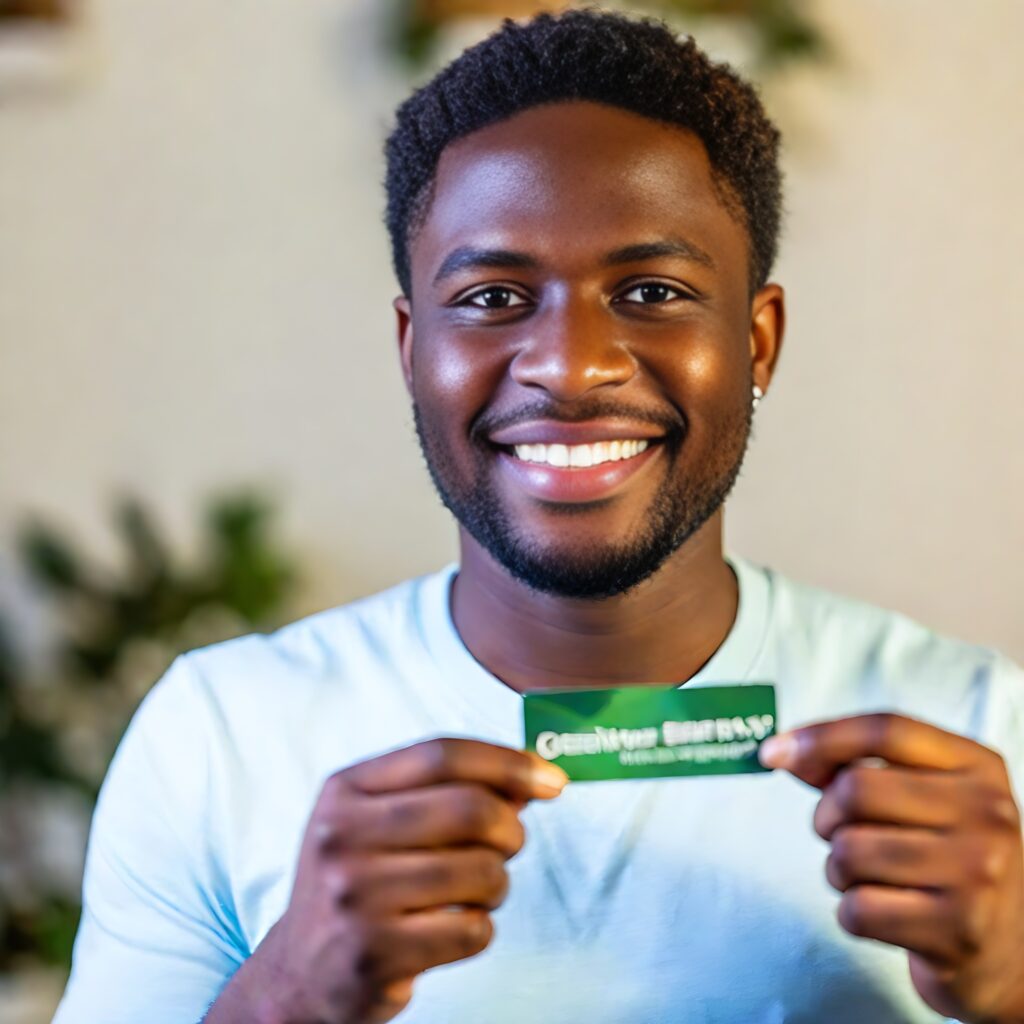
194,291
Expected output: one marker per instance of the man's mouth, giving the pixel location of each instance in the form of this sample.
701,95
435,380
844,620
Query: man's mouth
576,462
578,456
575,473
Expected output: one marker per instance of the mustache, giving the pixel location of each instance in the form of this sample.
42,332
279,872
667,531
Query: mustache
671,423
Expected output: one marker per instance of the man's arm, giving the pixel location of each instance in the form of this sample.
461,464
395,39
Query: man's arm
157,940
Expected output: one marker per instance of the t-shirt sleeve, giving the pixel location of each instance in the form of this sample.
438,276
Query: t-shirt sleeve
158,940
1008,720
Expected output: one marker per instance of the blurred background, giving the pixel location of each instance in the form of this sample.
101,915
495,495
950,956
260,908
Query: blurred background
202,425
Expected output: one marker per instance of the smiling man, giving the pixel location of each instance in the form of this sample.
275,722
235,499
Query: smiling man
337,824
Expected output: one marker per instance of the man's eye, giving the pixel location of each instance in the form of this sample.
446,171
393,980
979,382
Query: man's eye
651,293
495,298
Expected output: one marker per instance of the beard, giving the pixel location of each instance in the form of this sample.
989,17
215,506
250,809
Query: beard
680,507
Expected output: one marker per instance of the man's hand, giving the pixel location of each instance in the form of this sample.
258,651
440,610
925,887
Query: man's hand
402,860
926,850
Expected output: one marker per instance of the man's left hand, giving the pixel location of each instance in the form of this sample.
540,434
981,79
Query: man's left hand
926,849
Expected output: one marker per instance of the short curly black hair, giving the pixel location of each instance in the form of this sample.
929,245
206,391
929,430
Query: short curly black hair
637,65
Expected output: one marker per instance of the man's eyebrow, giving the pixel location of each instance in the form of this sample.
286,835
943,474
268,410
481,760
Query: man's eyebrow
465,257
667,247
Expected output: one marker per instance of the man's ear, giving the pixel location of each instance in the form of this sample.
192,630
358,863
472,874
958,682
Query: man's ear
403,311
767,326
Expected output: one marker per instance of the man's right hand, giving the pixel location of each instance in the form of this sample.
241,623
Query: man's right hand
402,861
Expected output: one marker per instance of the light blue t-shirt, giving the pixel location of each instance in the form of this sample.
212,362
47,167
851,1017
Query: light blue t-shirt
687,900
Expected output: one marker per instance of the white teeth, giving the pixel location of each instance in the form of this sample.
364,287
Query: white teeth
580,455
555,454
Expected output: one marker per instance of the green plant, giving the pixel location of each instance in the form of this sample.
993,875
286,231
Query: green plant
782,30
119,631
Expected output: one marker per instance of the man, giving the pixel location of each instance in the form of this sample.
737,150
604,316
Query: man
334,823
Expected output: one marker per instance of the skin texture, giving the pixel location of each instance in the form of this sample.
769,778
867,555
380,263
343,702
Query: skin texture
403,858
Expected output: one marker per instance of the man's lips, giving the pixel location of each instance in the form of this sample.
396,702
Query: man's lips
584,432
573,484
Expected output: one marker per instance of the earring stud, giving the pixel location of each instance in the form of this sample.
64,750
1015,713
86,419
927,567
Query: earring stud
758,395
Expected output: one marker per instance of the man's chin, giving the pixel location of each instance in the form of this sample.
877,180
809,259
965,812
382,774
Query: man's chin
579,573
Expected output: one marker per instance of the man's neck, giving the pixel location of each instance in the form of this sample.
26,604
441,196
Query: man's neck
663,631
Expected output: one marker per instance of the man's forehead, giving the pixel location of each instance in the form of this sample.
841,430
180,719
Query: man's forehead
576,140
601,176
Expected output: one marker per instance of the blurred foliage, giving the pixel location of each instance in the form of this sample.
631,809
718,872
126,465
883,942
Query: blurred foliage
28,749
118,632
782,29
241,572
34,10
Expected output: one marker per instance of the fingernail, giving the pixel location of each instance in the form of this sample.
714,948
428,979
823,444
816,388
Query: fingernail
776,750
548,778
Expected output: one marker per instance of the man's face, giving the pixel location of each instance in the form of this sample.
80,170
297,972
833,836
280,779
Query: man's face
579,291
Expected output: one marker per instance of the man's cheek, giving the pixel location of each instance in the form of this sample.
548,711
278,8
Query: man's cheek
459,370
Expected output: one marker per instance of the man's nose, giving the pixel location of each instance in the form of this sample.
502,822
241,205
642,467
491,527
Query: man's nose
571,348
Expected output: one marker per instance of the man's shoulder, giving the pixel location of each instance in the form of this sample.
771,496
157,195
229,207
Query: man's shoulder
869,652
809,613
318,646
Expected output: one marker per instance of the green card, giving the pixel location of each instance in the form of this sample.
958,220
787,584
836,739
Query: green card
647,732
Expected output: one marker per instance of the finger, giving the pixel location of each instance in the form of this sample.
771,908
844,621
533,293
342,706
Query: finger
412,943
815,752
444,815
394,997
899,796
919,920
518,774
912,858
394,883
